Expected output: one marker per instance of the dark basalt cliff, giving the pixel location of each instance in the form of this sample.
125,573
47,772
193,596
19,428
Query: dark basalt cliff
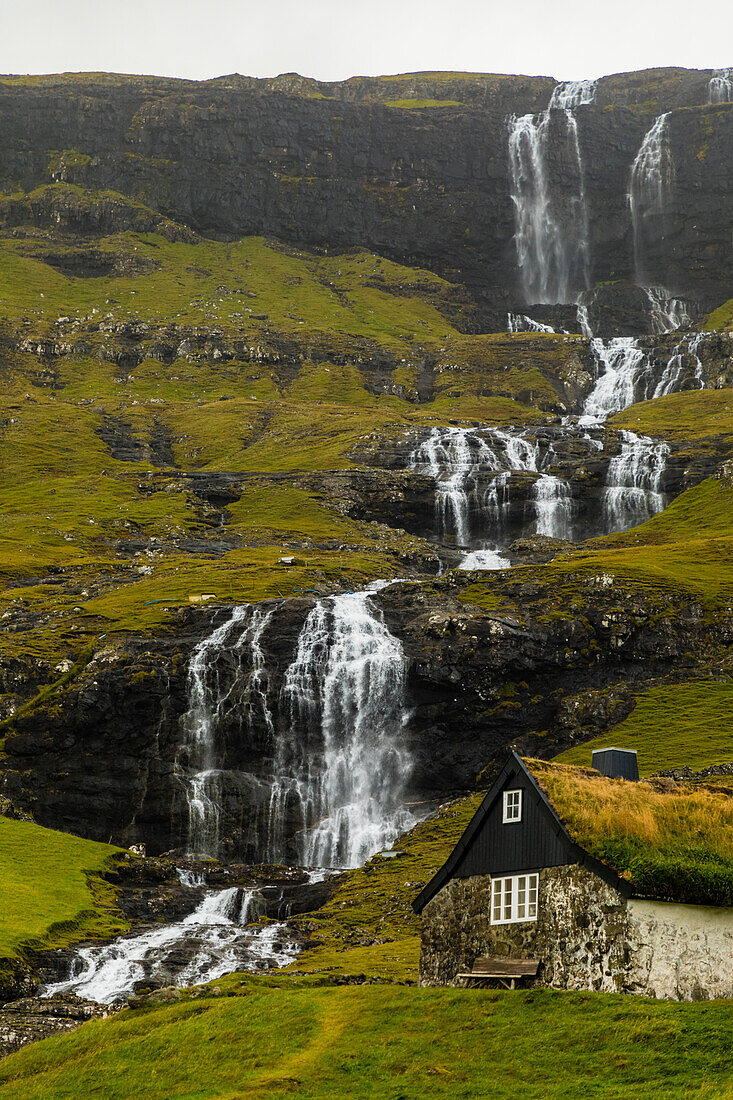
104,764
337,166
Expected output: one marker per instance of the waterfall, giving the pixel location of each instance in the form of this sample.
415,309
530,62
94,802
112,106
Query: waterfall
584,317
650,189
554,506
551,222
633,482
341,767
484,559
458,459
519,322
455,458
684,364
205,945
199,762
667,313
573,93
624,376
720,88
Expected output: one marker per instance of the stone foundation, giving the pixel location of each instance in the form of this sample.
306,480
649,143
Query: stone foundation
587,936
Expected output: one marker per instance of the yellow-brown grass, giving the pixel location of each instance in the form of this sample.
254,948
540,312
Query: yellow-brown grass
676,843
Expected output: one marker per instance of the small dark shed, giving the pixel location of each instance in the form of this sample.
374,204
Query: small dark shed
616,763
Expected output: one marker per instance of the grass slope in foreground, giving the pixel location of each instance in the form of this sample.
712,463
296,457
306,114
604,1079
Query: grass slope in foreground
52,893
388,1042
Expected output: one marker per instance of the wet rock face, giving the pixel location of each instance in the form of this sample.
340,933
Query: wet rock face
251,157
105,763
32,1018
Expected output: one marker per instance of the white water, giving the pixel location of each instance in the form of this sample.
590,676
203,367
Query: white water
684,365
633,482
210,942
667,312
573,93
461,460
341,767
484,559
519,322
650,189
624,377
199,762
720,88
456,458
550,222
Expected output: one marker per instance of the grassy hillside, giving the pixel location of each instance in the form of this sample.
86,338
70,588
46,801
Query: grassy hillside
694,414
388,1043
52,892
671,726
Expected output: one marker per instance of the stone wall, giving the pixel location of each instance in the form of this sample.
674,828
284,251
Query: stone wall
579,933
683,952
587,936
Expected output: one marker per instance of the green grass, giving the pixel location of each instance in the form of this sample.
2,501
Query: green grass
52,893
720,318
692,415
368,926
418,104
671,726
387,1044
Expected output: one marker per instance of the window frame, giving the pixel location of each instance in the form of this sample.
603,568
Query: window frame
515,895
508,818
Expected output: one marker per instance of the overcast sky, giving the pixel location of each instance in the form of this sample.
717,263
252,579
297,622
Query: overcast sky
334,39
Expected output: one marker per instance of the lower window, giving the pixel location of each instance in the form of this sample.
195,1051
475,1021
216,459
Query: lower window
514,899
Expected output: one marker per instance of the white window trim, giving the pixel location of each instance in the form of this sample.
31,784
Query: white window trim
509,816
514,898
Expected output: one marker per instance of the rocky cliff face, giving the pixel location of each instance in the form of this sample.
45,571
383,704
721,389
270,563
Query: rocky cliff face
354,165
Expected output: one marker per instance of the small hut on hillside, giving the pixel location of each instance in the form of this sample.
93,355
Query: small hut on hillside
587,882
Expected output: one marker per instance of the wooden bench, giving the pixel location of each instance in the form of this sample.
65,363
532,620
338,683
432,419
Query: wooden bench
506,971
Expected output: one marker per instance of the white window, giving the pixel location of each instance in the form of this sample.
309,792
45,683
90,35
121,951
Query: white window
512,806
514,899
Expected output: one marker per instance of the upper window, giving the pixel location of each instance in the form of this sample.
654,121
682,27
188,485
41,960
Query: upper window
512,806
514,899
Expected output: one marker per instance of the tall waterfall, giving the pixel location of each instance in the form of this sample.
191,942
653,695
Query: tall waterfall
624,376
341,766
720,88
633,482
550,221
650,190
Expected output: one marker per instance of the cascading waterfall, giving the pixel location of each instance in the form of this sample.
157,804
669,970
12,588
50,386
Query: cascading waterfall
199,761
341,766
684,365
210,942
633,482
624,377
456,458
573,93
720,88
551,223
667,312
650,189
519,322
459,459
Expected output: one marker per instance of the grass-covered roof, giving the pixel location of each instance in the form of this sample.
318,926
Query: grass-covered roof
672,844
